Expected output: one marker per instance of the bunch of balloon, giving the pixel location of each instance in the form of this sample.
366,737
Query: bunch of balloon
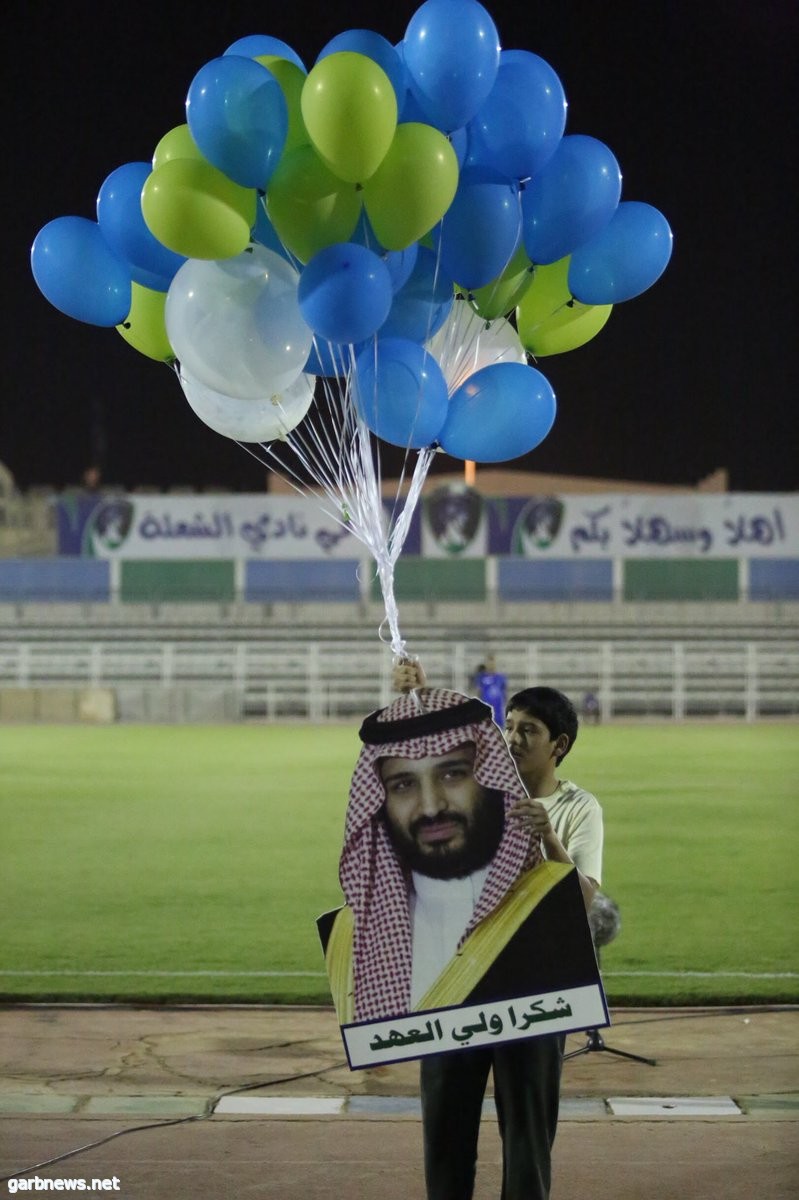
367,251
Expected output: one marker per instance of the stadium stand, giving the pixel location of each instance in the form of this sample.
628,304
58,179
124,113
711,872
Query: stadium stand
224,639
184,662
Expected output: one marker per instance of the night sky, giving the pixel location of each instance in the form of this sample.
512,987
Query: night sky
693,98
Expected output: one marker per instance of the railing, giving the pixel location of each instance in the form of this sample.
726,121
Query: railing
328,680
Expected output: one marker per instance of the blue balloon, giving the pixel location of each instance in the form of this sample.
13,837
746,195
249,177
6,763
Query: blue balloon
263,231
238,117
480,230
258,45
624,259
422,304
459,140
411,111
500,412
345,293
571,199
451,50
400,391
79,273
331,359
120,218
400,263
520,126
374,46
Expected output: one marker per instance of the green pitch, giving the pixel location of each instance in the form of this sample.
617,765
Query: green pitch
173,863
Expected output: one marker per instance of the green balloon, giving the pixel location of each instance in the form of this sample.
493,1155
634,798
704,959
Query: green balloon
197,211
549,320
547,293
413,186
568,329
144,327
350,111
499,298
308,205
178,143
291,80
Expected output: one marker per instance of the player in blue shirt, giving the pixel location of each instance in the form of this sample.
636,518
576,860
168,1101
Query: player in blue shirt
492,686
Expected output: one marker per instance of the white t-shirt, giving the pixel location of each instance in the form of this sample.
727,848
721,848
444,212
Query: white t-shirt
576,817
440,911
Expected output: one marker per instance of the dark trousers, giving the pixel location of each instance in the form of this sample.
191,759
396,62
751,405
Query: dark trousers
526,1092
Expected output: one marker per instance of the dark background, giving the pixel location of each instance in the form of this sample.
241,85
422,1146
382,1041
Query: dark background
692,96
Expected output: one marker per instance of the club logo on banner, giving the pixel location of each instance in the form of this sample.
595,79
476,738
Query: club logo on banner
538,525
454,523
108,528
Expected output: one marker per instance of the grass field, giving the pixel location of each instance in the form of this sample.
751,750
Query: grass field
166,863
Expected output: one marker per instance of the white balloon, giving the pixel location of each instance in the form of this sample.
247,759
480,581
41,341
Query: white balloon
260,420
235,324
466,343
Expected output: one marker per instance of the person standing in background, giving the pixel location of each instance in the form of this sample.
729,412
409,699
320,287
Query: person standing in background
492,688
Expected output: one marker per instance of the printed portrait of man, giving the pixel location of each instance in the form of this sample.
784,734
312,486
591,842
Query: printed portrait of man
440,886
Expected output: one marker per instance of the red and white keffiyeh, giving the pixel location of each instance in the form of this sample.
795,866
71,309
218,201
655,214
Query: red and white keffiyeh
375,884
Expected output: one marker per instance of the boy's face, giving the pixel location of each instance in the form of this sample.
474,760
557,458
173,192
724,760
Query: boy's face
532,746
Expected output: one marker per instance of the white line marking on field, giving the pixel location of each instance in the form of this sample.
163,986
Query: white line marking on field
79,974
707,974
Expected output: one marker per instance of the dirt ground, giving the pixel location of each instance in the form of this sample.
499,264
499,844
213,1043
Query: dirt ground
716,1117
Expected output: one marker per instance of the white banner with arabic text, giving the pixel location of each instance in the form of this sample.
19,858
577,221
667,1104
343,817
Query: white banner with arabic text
244,526
631,525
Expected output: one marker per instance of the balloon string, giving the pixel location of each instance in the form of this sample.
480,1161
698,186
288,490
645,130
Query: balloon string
461,341
340,458
334,450
334,453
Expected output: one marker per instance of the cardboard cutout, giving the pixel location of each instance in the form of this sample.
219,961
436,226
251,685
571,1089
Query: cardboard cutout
525,964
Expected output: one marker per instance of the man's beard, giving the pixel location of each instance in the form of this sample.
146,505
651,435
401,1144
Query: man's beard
483,834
